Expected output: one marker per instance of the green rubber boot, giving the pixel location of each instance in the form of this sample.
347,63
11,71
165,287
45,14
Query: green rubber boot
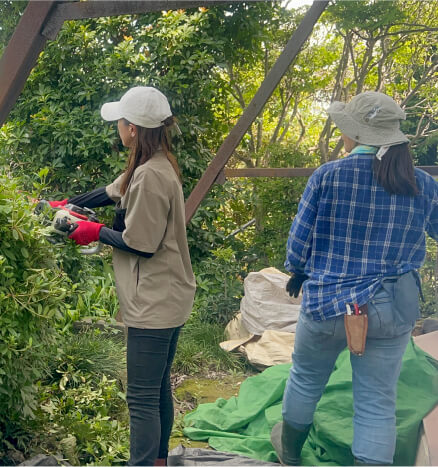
288,442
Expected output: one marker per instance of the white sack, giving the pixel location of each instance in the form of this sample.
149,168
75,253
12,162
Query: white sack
266,304
271,348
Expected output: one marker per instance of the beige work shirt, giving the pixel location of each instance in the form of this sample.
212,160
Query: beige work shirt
156,292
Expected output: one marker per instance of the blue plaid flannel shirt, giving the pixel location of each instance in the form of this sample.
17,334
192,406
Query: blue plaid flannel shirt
349,233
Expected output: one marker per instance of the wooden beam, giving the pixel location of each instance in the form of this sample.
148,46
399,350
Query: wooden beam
95,9
255,106
273,172
296,172
21,54
430,169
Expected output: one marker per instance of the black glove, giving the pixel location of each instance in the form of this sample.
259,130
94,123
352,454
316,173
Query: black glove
294,284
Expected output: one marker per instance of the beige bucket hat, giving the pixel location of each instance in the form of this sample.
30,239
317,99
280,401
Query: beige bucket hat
370,118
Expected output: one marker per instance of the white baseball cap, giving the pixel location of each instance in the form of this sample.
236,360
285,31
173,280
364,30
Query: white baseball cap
142,105
370,118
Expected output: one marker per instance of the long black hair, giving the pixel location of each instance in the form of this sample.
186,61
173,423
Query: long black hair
395,172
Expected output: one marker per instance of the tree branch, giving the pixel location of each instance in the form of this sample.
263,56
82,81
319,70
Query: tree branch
334,154
281,118
430,71
289,121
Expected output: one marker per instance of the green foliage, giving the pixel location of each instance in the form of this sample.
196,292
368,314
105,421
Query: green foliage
368,15
429,276
56,122
33,292
92,353
89,422
43,288
10,12
219,287
198,349
277,201
81,410
273,203
95,293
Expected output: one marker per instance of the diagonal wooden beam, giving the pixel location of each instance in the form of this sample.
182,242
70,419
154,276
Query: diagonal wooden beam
22,53
254,108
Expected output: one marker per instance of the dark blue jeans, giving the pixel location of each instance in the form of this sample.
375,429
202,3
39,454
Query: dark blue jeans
150,355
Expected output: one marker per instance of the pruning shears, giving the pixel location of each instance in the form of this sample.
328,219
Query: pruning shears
63,222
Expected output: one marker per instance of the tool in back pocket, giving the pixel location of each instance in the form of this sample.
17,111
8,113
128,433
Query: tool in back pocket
356,327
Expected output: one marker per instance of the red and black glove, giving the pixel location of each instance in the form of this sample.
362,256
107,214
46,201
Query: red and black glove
86,232
58,204
294,284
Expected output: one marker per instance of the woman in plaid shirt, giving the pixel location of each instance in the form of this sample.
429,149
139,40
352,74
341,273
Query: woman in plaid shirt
357,242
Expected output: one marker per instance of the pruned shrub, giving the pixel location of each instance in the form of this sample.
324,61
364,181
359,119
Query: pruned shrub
33,290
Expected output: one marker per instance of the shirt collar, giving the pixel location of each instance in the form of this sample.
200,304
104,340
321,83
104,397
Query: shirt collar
364,149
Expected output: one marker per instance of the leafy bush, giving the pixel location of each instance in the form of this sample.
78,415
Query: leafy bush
198,349
89,422
92,353
275,204
33,290
219,286
95,292
429,273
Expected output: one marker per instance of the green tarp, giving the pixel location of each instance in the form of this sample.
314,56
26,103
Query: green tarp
242,424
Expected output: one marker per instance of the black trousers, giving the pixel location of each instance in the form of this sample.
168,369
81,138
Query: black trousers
150,354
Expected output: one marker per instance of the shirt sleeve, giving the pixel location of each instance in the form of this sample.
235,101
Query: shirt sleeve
299,243
432,225
114,239
113,190
93,199
147,210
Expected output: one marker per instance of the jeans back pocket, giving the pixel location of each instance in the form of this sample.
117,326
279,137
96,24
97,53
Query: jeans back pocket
380,313
406,299
395,307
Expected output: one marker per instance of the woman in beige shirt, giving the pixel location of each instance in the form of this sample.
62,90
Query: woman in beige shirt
154,278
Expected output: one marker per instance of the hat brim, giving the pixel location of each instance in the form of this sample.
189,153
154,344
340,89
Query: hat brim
373,136
111,111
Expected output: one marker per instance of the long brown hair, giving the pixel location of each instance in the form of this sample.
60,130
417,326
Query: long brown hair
395,172
146,143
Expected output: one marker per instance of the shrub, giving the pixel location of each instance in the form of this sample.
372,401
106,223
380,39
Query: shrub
219,286
33,290
429,273
89,422
93,353
199,351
